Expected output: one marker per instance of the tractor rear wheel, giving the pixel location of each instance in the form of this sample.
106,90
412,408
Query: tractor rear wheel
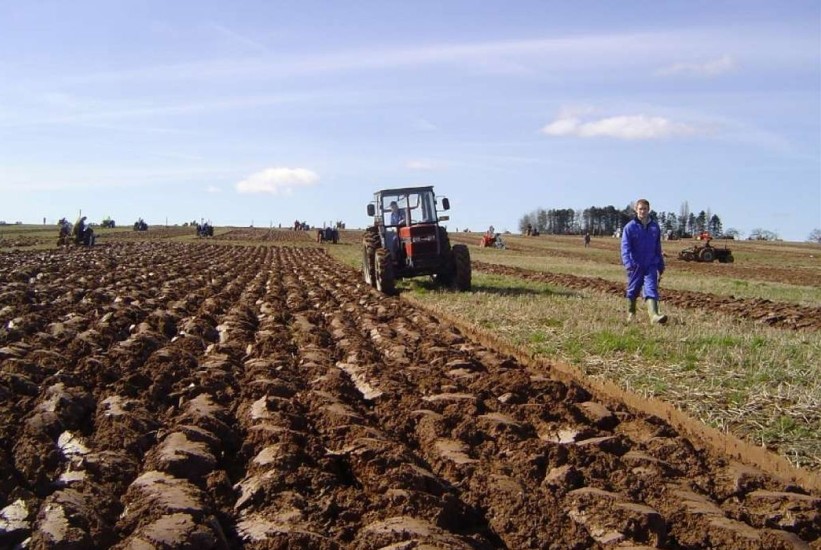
707,255
383,272
461,267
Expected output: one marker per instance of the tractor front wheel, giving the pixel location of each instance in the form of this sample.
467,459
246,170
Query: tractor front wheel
370,242
383,272
367,265
461,267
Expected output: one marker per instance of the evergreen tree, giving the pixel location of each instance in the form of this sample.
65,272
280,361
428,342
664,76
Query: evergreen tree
714,226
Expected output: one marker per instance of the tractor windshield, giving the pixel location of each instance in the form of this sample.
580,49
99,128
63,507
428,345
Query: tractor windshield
408,208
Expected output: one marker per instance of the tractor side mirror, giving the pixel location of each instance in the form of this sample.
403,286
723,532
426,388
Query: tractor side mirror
371,210
445,203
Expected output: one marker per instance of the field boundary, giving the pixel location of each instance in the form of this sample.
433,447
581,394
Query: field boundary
723,443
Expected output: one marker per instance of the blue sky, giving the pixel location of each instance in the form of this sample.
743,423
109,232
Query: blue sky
268,111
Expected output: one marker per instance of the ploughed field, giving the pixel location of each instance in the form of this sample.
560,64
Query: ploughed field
158,394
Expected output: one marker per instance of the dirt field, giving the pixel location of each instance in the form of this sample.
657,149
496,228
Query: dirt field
158,394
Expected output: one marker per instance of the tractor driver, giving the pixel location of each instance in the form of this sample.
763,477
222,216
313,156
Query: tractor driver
397,218
397,215
79,230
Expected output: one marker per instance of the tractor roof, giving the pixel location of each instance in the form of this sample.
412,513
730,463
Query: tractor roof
401,190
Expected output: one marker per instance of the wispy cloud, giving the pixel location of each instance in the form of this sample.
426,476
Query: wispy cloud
506,56
424,165
423,125
213,189
626,127
239,38
277,181
113,112
713,67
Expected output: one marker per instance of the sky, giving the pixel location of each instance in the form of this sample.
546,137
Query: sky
262,112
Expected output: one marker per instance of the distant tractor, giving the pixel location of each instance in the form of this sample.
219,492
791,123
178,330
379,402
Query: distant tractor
327,234
492,239
205,229
79,234
406,241
706,253
140,225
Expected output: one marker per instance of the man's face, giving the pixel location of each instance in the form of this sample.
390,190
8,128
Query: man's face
642,211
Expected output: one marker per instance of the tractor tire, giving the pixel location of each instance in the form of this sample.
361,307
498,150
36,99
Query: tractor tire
728,259
367,266
383,272
461,267
370,242
444,277
707,255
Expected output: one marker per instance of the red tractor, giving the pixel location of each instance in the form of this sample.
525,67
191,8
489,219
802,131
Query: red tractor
406,240
706,253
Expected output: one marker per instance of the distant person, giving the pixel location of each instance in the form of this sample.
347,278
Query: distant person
587,239
643,260
79,229
397,215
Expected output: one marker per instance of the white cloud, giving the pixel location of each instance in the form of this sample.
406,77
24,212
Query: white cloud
629,127
213,189
713,67
277,181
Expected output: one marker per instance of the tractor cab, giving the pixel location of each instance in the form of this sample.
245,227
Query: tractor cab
407,207
407,240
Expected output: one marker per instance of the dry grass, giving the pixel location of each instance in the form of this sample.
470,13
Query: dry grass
603,263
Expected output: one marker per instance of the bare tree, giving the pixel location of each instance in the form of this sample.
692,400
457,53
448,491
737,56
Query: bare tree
759,234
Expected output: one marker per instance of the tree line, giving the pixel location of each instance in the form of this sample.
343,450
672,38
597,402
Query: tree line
609,220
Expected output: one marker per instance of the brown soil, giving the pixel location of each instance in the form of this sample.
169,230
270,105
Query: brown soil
157,394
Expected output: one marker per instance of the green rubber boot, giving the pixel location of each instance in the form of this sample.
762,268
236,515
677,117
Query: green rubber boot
631,311
653,312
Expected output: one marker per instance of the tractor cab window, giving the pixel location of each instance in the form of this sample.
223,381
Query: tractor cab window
427,211
395,210
408,209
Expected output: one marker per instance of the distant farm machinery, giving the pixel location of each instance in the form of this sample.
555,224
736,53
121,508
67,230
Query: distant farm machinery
327,234
491,239
706,253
